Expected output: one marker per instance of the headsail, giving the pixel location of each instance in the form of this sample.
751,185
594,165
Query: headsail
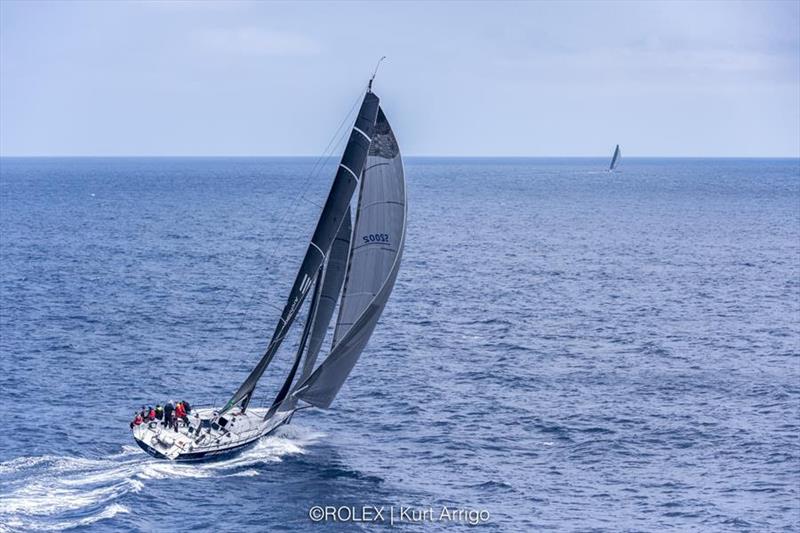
331,285
332,281
312,311
614,159
333,212
378,240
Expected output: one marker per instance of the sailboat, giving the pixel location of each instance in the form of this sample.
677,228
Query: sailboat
352,263
614,159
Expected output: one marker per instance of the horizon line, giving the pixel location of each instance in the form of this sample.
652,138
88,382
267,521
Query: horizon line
419,156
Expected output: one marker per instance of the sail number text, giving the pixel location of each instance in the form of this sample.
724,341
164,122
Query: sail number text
376,237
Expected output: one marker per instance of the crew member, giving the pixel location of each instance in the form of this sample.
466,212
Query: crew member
180,413
137,420
168,410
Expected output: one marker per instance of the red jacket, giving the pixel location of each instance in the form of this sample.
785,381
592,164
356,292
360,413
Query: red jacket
152,415
180,412
138,420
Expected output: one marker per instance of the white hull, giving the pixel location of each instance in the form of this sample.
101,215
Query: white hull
216,439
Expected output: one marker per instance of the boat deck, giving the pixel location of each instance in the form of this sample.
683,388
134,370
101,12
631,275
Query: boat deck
203,438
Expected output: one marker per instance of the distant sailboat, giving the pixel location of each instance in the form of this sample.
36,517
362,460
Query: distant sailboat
354,263
615,159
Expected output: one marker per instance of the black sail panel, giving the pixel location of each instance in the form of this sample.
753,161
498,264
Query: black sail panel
312,311
336,206
375,253
334,279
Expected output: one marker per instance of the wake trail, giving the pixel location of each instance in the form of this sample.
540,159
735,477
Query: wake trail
52,492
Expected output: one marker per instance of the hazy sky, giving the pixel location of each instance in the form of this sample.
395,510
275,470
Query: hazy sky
226,78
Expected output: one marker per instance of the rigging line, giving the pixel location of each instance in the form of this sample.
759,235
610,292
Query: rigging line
336,133
292,207
312,202
341,138
320,163
315,170
334,142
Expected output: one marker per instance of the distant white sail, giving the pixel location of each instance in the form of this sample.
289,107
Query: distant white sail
615,158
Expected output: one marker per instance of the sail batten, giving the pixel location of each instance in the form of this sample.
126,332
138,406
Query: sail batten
374,260
336,206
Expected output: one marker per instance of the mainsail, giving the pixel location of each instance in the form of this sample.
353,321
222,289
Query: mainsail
334,211
375,252
614,159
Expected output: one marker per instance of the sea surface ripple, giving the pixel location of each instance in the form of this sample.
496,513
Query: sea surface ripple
568,349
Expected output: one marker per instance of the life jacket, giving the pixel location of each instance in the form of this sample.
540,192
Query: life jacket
180,412
152,415
138,420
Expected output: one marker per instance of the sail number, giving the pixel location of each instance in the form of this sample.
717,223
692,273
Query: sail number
375,237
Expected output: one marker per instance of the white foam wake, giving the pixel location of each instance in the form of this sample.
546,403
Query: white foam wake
36,493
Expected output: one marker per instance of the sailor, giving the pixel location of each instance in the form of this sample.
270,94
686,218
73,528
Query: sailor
159,412
151,415
168,410
180,412
187,407
137,420
173,418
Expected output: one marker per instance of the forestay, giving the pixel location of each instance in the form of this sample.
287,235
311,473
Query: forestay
335,208
376,249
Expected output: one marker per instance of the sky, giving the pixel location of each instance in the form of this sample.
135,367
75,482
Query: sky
461,78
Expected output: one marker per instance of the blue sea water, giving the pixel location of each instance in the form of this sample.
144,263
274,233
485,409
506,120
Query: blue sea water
566,349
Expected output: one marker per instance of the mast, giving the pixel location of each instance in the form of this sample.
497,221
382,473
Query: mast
334,210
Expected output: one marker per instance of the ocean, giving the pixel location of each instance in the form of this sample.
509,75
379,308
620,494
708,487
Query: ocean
565,349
